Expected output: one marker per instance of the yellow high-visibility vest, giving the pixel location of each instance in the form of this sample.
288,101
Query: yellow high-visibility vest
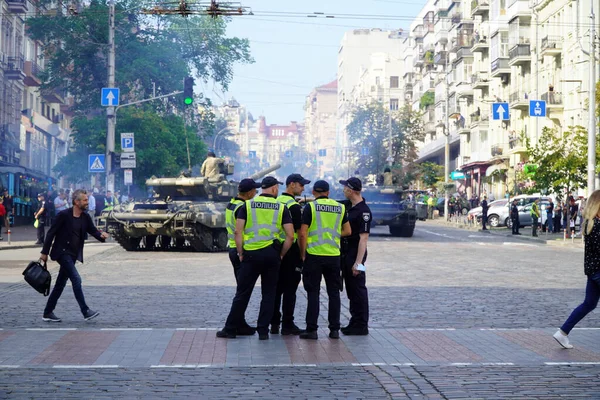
325,229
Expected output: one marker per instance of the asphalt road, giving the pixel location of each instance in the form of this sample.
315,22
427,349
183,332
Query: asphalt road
454,314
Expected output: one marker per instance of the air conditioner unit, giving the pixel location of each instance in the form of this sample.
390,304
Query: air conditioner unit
504,79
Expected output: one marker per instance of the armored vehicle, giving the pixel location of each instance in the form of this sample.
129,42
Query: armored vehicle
390,207
185,213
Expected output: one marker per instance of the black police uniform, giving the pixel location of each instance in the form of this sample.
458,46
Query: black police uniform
41,233
264,263
360,218
328,267
484,211
289,279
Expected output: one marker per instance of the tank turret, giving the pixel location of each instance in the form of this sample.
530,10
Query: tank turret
265,172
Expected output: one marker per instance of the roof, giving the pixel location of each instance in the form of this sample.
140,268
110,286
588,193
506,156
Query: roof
330,85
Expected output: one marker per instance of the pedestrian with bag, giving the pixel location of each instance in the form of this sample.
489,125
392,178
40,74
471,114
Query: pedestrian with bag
323,224
591,268
260,223
246,191
535,216
354,257
291,264
64,243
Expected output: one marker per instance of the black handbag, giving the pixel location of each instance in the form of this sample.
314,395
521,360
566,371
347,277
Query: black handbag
38,277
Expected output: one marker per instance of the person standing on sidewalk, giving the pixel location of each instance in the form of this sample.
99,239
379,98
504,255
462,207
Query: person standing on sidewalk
323,224
549,216
591,267
259,225
291,265
484,212
2,216
354,256
573,213
246,191
40,216
61,202
514,217
65,237
9,207
535,216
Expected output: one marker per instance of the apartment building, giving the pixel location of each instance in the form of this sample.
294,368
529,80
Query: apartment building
34,125
493,51
362,59
320,120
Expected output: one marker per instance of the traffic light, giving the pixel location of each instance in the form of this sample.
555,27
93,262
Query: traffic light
188,90
115,161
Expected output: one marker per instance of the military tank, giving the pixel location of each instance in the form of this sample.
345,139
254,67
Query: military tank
390,207
186,213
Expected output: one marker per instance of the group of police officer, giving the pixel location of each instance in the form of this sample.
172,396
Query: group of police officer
272,236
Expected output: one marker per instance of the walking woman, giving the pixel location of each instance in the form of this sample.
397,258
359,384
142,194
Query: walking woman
591,230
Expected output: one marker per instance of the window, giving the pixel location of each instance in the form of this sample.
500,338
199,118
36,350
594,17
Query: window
377,81
393,104
394,82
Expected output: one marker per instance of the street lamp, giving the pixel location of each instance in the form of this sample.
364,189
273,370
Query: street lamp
216,136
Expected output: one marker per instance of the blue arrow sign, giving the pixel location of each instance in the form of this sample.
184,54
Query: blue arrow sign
365,151
110,97
500,112
96,163
537,108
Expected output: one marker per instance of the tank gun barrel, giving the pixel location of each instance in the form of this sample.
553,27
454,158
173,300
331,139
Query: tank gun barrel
265,171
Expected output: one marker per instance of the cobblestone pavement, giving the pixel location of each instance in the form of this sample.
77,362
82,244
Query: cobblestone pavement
455,314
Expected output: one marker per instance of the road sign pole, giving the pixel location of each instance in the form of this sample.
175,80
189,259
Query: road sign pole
110,111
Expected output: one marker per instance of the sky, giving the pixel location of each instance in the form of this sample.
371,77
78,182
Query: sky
293,55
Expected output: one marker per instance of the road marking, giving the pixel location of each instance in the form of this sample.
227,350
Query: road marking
127,329
83,366
588,329
481,236
50,329
431,329
573,363
7,366
519,244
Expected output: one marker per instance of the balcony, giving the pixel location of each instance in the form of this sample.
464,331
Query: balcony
480,44
462,126
419,60
519,100
15,67
499,67
67,107
464,89
463,52
32,73
54,95
408,87
516,145
429,120
17,6
441,36
440,58
480,118
456,18
553,100
480,7
552,46
519,54
480,80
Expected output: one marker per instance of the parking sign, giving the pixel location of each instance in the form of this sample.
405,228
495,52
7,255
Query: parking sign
127,143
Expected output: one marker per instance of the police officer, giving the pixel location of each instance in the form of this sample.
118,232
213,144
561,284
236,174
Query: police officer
259,225
484,212
354,256
514,216
323,224
246,191
291,265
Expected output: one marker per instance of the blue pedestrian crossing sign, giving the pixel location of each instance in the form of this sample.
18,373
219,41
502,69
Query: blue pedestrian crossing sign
96,163
252,154
537,108
110,97
500,112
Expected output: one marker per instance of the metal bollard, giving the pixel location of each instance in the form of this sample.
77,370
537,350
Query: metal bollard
564,235
8,236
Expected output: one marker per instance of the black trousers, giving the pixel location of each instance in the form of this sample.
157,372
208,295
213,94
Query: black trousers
534,226
41,233
264,263
287,285
483,221
329,268
236,263
515,225
356,290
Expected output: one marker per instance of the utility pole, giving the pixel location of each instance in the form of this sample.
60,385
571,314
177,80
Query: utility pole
591,178
447,143
110,111
390,157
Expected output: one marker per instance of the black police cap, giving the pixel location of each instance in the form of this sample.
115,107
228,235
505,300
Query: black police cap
352,183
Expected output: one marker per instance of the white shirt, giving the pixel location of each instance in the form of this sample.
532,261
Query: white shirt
92,203
60,204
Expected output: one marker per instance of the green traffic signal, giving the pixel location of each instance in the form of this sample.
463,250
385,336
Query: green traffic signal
188,100
188,90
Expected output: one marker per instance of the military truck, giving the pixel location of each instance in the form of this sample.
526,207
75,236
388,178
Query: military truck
186,213
390,207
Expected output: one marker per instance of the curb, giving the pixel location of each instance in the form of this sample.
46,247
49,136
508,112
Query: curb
20,246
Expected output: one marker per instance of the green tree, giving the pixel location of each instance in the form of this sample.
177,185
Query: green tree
370,128
561,160
430,174
160,142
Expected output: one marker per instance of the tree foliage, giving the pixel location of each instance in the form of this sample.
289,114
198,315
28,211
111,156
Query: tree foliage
430,173
160,142
561,160
369,128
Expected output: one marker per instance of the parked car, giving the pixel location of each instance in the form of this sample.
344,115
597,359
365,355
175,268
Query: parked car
465,206
475,213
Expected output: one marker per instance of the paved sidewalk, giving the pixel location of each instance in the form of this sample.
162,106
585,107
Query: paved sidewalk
22,237
200,348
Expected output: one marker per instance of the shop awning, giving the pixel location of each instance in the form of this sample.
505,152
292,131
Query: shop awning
496,167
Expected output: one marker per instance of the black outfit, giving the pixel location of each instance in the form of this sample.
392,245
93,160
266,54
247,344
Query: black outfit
360,218
484,211
264,263
41,221
289,276
514,216
66,239
329,268
557,218
573,210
